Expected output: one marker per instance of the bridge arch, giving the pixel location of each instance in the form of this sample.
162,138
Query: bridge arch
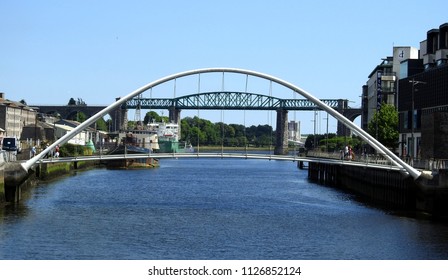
361,133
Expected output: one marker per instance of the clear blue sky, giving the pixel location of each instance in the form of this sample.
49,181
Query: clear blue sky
51,51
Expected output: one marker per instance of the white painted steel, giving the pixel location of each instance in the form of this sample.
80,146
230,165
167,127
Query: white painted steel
361,133
221,155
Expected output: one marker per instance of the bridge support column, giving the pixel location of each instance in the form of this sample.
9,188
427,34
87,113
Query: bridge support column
174,115
281,133
119,118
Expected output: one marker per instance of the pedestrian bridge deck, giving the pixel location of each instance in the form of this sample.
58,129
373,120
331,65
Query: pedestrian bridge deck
380,164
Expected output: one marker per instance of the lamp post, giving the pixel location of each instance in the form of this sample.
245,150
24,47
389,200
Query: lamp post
315,115
414,83
326,135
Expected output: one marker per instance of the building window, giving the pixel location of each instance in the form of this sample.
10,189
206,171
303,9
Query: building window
416,119
405,120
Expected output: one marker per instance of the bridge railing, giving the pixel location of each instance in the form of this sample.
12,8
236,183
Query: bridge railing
366,158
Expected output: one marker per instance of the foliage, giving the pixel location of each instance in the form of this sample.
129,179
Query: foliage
71,102
79,117
194,130
335,143
70,150
79,102
384,126
101,124
152,116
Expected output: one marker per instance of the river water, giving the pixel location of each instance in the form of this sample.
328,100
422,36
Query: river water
208,209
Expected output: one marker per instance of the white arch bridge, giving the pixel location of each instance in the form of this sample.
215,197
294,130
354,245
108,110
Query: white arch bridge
228,155
395,160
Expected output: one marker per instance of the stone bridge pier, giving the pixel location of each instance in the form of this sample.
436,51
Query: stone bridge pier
281,133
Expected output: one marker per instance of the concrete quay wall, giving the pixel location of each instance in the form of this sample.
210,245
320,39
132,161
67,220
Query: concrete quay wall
387,188
2,177
12,193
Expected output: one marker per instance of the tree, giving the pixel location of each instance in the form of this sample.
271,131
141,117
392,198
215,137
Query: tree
71,102
81,117
79,102
152,116
384,126
101,124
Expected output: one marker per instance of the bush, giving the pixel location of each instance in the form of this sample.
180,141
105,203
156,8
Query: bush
70,150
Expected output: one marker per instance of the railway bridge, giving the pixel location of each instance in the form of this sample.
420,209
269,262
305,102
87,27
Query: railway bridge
217,100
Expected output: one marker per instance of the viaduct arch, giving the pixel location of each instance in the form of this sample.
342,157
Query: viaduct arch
68,111
361,133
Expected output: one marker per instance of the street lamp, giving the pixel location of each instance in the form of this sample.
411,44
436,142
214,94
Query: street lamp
326,135
315,115
414,83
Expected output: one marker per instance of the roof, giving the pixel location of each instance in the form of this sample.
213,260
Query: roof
15,104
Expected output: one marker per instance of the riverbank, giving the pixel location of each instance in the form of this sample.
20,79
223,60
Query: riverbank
41,173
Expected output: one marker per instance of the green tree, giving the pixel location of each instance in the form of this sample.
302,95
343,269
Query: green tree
101,124
384,126
216,134
71,102
81,117
78,116
152,116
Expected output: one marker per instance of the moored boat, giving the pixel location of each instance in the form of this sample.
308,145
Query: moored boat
168,135
131,144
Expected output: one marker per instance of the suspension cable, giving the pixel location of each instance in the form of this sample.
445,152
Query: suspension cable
244,117
174,91
270,118
295,126
197,98
222,118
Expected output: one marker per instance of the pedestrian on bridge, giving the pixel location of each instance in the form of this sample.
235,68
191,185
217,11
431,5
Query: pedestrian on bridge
56,151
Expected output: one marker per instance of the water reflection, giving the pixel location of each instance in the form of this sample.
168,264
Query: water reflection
208,209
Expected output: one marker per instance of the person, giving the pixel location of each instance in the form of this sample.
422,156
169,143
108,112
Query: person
346,152
33,151
56,151
352,153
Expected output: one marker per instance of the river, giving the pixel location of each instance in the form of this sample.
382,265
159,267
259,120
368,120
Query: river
208,209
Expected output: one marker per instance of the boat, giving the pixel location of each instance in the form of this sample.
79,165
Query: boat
134,142
168,138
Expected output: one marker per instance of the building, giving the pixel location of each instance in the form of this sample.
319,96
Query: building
381,86
423,99
14,116
63,127
294,131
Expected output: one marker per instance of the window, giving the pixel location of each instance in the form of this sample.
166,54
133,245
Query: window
405,120
414,119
